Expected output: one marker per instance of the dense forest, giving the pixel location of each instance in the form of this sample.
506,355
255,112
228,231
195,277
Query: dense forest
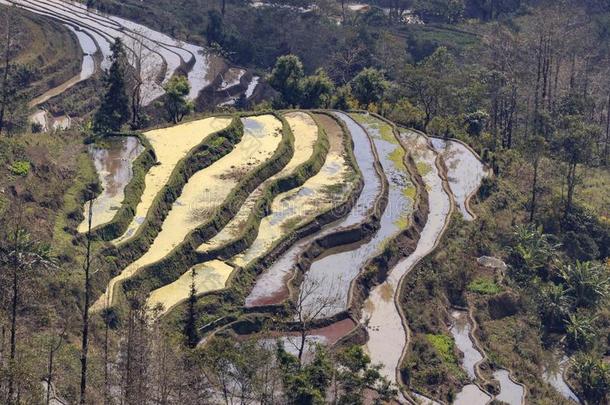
525,84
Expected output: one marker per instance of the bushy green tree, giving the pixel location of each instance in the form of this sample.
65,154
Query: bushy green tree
341,98
176,103
286,78
317,90
369,86
113,112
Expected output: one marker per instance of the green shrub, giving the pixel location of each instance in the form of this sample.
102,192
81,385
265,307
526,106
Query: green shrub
20,168
484,286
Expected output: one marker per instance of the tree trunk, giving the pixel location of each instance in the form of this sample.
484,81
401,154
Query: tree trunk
571,184
534,189
7,60
607,143
85,342
302,345
13,353
50,375
106,377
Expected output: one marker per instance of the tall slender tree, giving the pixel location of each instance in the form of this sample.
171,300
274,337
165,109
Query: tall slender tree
114,109
190,327
85,334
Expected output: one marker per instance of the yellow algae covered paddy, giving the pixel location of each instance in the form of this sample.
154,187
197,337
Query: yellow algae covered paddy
209,276
206,190
290,210
170,145
306,135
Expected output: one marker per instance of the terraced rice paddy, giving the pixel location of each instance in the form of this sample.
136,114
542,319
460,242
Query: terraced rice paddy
271,287
207,189
333,273
156,56
380,152
387,335
301,124
113,163
170,145
464,171
295,208
327,336
290,210
510,392
471,394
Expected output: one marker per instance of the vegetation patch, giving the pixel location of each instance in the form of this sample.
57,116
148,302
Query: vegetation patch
485,286
444,346
20,168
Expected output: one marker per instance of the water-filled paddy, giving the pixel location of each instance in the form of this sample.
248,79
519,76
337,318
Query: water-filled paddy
271,286
113,162
209,276
464,171
334,272
170,145
510,392
295,207
387,336
470,394
553,374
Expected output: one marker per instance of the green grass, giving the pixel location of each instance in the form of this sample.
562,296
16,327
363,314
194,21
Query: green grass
73,202
444,346
484,286
20,168
594,193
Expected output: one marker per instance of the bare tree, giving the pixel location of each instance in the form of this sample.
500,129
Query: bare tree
55,344
315,298
139,56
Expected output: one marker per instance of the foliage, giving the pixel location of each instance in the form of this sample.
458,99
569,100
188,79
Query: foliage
369,86
175,103
20,168
588,283
532,253
317,90
581,330
484,286
114,109
444,346
286,78
593,377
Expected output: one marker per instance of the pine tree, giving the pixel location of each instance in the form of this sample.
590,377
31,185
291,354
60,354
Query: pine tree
190,328
114,109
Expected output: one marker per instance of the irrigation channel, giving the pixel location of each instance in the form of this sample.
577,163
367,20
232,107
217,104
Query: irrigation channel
360,156
155,56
